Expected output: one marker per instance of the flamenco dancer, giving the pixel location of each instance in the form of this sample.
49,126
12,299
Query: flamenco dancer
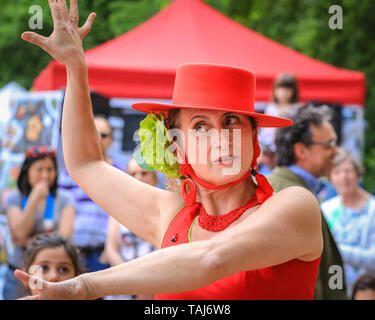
225,236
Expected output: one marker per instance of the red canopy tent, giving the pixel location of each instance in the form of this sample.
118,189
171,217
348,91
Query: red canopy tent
142,62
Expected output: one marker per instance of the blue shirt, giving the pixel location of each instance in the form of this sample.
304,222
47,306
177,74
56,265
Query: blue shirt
311,181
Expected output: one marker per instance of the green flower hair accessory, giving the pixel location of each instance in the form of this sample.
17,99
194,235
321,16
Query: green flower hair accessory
155,141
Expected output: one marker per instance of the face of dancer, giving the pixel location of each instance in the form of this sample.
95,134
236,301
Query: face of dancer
344,177
140,174
52,264
317,158
42,170
105,134
218,144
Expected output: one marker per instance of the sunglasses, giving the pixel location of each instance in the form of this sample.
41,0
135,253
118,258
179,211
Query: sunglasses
38,151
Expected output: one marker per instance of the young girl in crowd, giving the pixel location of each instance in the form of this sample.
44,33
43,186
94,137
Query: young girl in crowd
51,257
37,206
364,287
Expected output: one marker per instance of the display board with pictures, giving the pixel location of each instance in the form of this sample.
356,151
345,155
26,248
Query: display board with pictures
34,119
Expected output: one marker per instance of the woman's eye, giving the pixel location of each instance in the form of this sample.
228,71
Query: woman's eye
45,268
230,121
200,127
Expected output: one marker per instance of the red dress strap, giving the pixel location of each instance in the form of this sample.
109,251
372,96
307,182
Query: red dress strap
178,229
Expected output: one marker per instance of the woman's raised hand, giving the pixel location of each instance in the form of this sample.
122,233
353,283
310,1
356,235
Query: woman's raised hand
40,191
65,42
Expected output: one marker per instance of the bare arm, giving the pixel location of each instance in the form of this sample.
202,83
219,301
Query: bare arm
21,222
114,191
66,224
286,227
112,247
282,228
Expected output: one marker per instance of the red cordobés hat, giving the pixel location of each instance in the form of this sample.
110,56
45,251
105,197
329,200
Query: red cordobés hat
214,87
221,88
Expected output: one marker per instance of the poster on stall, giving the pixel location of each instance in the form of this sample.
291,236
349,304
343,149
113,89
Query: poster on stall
34,119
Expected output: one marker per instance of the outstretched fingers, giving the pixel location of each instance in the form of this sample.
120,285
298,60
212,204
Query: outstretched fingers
22,276
85,29
35,38
74,11
30,281
55,11
62,5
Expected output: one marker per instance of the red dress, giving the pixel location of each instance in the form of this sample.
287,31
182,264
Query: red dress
292,280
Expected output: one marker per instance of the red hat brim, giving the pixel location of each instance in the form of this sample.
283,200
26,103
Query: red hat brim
262,119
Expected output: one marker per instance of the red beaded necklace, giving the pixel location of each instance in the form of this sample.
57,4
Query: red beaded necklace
218,223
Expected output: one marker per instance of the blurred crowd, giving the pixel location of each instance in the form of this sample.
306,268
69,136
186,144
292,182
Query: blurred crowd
49,222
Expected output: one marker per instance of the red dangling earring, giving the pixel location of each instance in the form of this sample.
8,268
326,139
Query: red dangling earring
264,189
189,198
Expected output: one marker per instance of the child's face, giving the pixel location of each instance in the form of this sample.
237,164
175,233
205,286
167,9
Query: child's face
55,265
366,294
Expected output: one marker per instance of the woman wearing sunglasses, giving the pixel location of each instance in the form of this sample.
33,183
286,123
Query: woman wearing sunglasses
37,206
225,235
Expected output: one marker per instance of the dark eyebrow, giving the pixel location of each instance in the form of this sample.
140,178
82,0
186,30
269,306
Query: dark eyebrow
229,114
206,117
198,116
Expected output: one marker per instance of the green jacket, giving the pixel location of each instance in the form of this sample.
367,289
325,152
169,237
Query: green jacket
281,178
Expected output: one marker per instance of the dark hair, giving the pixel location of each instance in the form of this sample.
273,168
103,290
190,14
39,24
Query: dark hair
48,241
23,179
286,80
300,131
364,282
105,118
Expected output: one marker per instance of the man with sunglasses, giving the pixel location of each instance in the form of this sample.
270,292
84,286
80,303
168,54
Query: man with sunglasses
90,225
304,153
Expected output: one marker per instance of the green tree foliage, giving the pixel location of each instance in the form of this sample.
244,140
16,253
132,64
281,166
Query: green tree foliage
303,25
298,24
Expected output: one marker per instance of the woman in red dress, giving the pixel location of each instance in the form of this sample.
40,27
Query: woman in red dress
226,236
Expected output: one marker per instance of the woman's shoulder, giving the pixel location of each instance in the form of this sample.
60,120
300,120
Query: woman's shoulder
295,199
13,198
297,191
